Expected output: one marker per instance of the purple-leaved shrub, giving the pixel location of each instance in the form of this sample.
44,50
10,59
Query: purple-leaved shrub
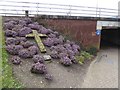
8,25
22,23
48,77
73,60
56,33
14,49
48,42
16,60
43,30
66,61
26,44
54,54
67,46
29,52
24,31
24,53
38,58
33,50
13,22
34,26
10,33
6,20
52,41
51,35
11,40
28,20
75,47
17,28
21,39
62,55
39,68
70,53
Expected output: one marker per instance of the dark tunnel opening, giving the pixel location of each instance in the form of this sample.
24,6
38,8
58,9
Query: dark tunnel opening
109,38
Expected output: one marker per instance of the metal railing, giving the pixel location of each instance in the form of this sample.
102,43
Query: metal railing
16,8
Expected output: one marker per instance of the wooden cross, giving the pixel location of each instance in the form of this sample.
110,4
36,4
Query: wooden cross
37,36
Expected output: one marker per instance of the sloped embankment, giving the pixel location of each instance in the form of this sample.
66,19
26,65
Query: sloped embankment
62,52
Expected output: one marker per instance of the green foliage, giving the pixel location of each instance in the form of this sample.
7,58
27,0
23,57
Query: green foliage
86,55
80,59
92,51
83,56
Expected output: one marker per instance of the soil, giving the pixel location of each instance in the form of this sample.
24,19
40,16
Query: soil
63,77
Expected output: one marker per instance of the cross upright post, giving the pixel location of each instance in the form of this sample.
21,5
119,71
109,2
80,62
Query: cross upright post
37,36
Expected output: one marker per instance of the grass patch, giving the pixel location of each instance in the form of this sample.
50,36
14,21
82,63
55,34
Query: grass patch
8,81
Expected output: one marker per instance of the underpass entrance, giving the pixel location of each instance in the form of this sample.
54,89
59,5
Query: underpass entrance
109,37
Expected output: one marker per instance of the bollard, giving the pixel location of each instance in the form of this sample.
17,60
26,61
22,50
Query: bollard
27,13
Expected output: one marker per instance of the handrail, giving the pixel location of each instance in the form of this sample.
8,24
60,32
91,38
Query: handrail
57,8
54,4
36,8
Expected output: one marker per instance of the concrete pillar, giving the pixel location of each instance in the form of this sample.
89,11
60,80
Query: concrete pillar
118,39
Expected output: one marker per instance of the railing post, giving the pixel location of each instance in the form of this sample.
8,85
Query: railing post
26,13
99,12
5,12
37,7
17,12
69,12
118,17
97,9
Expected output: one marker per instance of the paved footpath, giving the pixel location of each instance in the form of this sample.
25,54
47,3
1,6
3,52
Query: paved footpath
103,72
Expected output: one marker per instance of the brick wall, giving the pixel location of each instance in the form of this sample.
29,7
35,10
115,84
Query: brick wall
82,31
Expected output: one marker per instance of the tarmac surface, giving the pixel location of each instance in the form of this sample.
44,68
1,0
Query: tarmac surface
103,71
